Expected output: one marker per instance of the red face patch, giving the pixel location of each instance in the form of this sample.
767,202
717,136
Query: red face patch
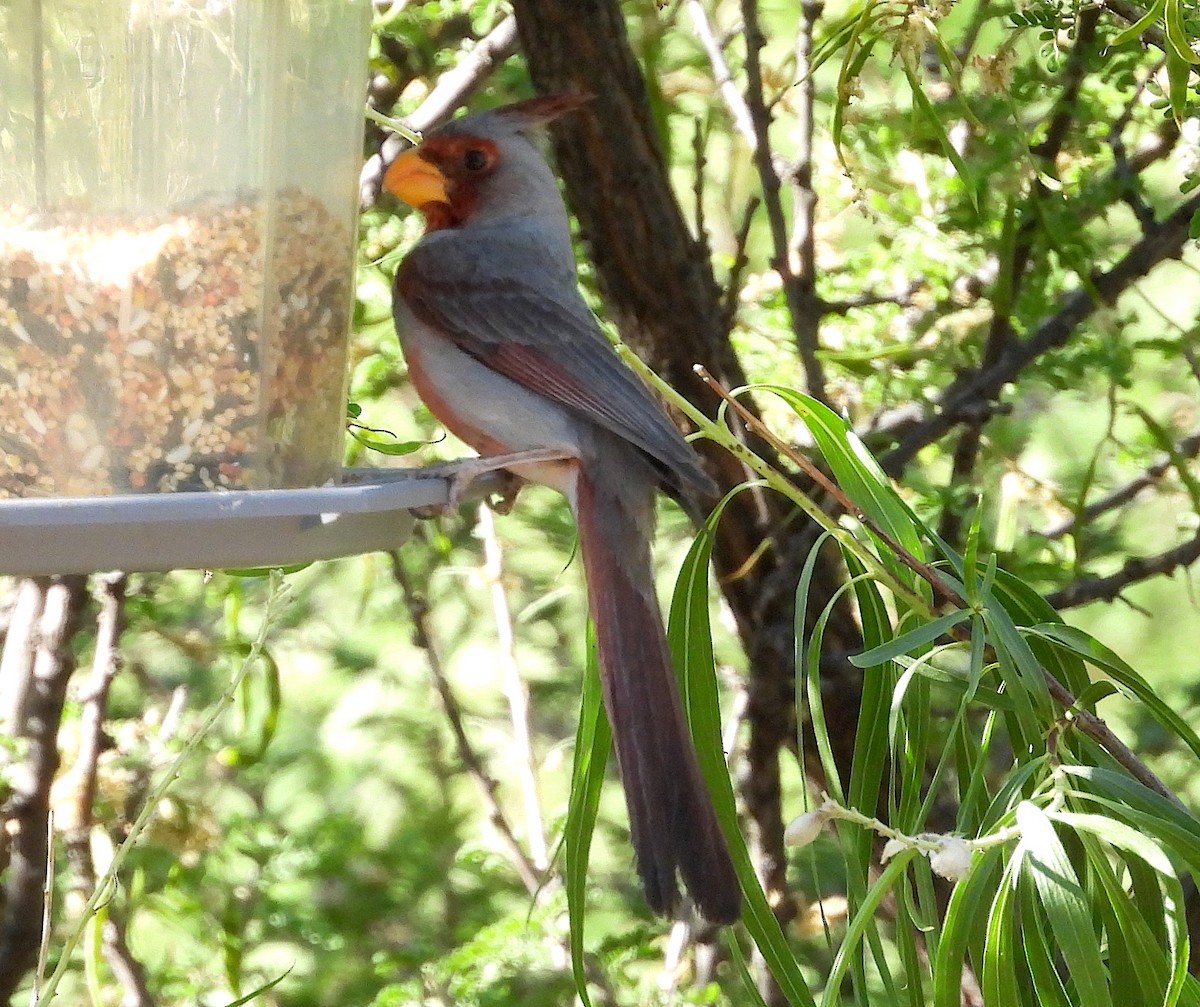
464,161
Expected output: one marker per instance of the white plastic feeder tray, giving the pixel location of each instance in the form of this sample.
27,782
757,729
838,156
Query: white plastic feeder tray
371,511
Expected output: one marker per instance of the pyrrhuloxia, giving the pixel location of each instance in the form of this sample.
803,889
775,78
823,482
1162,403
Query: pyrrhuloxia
506,354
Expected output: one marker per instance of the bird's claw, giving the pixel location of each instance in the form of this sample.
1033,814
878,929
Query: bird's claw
489,478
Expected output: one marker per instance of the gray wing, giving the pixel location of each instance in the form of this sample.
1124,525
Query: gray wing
519,312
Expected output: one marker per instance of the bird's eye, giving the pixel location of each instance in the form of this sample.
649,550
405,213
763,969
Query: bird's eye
475,159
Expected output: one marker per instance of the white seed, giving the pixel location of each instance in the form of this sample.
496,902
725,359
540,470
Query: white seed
36,423
185,280
192,430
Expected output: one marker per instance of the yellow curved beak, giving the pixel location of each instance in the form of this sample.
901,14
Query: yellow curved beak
415,180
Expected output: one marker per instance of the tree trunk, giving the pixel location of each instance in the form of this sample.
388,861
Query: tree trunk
659,287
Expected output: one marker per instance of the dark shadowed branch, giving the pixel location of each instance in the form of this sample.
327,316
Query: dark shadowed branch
799,284
1133,571
451,91
981,386
41,651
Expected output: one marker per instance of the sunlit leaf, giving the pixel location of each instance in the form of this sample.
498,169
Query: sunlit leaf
1068,914
593,741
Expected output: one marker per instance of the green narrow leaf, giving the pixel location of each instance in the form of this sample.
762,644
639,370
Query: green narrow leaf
965,921
1175,828
1178,42
921,100
1068,912
93,954
1132,684
854,469
812,688
870,747
1179,73
593,740
1047,983
913,640
384,447
857,51
1135,958
1135,30
255,994
867,767
807,654
999,977
739,960
861,922
1004,635
691,638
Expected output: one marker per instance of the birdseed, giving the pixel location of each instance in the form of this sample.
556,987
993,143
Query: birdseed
200,349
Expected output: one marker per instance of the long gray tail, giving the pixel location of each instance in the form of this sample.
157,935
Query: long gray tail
671,815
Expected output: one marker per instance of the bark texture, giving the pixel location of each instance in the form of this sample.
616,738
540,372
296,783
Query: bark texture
657,281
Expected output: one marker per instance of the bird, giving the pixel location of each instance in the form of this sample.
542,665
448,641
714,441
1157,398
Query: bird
506,354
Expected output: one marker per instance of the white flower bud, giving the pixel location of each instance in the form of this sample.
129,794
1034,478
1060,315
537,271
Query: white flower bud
803,830
953,860
891,848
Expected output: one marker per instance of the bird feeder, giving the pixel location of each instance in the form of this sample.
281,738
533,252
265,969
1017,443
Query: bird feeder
178,182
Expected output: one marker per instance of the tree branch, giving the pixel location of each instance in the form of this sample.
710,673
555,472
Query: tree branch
1139,568
732,97
1189,447
452,89
979,388
60,605
799,290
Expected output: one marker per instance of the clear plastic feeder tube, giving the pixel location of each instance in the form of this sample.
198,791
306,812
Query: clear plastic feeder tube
178,181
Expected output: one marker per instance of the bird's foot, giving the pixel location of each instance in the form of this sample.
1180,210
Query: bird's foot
486,478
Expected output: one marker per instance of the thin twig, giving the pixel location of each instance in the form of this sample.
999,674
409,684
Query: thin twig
515,691
741,260
870,299
451,90
800,303
47,912
742,120
418,610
